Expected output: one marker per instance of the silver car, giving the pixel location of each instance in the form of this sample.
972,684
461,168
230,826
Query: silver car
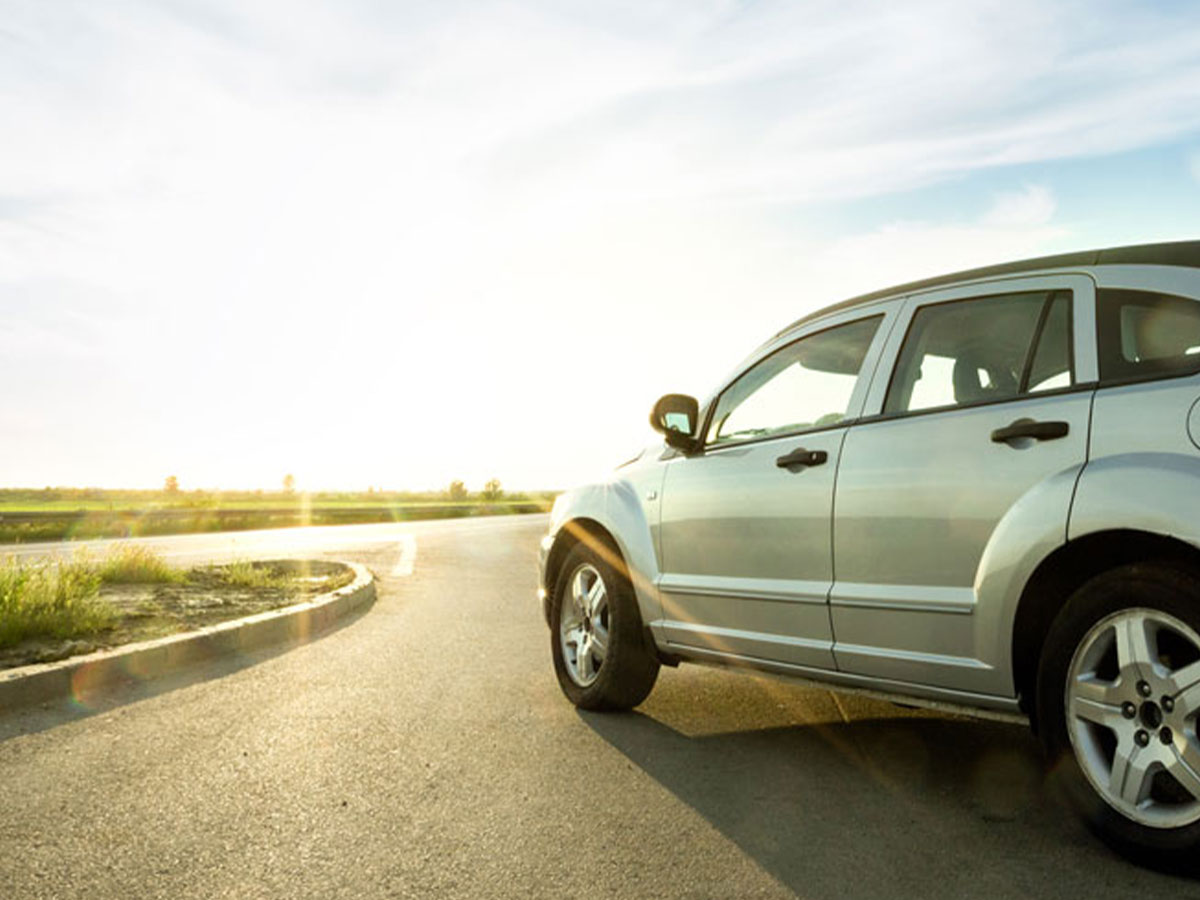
979,491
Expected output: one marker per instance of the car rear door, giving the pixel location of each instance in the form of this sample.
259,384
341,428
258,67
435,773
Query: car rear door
745,522
988,400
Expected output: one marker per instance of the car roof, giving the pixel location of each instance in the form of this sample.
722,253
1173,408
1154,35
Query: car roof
1177,253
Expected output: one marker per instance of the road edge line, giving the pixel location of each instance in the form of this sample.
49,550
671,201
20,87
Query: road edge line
80,676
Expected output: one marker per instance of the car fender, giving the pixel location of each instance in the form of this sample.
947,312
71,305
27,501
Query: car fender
1158,493
624,506
1033,528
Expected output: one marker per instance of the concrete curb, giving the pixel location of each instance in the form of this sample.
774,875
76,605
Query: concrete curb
81,676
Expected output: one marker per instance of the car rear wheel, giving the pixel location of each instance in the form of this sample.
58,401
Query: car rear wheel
1118,699
600,656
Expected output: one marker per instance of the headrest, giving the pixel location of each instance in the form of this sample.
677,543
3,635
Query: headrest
967,385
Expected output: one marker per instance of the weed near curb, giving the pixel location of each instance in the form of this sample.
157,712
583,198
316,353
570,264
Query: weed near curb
55,601
135,564
49,611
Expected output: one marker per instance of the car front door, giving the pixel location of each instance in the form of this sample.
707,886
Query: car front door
745,520
988,401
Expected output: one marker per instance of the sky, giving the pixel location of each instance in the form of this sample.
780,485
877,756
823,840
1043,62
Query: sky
398,243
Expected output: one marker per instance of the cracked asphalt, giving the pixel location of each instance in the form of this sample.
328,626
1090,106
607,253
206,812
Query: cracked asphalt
423,749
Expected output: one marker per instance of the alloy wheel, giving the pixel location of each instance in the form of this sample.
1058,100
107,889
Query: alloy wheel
1132,698
584,625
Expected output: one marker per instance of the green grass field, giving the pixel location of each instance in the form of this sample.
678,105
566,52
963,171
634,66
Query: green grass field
78,513
101,500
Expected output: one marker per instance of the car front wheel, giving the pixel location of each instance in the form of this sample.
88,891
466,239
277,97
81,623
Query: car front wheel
600,656
1118,699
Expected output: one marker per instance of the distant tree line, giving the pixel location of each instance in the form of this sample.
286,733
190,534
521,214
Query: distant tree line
457,492
173,494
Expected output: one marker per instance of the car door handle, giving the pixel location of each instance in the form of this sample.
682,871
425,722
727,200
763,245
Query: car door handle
1028,428
801,457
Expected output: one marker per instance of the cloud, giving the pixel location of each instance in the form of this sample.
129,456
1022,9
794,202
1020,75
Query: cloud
766,103
1033,205
787,104
307,205
907,251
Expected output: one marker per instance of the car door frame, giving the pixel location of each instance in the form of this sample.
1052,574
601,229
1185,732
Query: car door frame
890,310
1014,551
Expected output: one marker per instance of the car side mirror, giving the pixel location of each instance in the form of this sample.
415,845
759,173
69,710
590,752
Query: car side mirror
677,416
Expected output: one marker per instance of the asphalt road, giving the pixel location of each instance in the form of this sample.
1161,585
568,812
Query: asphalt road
424,750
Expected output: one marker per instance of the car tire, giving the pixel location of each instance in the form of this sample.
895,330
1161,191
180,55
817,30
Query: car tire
1117,701
600,654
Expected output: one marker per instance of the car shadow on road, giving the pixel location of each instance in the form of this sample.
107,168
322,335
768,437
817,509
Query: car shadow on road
887,807
45,716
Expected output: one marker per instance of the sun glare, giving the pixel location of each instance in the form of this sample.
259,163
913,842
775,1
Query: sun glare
482,241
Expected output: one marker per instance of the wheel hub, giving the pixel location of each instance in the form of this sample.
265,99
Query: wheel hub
1151,714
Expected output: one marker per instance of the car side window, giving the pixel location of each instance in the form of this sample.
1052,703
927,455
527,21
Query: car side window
1143,334
807,384
983,349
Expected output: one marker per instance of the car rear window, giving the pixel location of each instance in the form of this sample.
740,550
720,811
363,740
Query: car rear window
1144,334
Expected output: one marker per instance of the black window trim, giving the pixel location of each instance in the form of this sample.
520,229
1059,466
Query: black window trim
1080,388
1146,379
707,448
1032,349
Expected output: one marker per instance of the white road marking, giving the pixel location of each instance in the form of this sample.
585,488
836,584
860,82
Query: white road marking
408,555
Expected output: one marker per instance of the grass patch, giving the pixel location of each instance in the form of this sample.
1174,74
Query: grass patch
62,600
55,601
135,564
298,578
246,574
53,610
